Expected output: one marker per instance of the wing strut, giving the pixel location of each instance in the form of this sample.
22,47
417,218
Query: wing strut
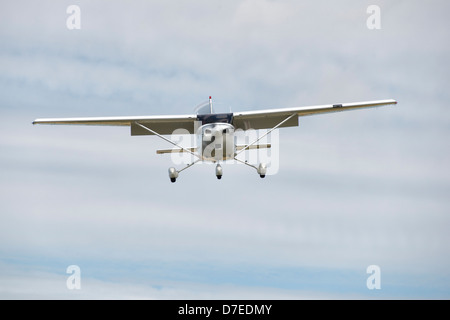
249,145
262,168
170,141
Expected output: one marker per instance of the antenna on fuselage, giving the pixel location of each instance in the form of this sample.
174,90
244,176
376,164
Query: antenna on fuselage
205,107
210,105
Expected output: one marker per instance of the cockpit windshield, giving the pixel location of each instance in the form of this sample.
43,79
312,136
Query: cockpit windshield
203,108
215,118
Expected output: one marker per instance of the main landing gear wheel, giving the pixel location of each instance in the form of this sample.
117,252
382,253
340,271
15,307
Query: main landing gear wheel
219,171
262,169
173,174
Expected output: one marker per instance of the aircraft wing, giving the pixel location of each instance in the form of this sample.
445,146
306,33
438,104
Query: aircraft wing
160,124
266,119
261,119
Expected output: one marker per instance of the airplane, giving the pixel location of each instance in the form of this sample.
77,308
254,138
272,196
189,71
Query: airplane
215,132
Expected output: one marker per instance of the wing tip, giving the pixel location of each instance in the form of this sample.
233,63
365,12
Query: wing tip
38,121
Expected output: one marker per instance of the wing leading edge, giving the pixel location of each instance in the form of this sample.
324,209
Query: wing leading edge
260,119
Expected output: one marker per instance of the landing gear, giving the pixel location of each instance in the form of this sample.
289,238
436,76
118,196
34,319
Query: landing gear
219,171
262,169
173,174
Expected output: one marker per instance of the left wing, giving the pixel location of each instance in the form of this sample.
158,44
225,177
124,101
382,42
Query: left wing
160,124
266,119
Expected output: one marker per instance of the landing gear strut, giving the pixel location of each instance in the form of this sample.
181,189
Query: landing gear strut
173,173
261,169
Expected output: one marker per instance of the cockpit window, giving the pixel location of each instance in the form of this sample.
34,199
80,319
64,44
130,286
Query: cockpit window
214,118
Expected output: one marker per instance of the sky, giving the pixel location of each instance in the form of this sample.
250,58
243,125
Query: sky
353,189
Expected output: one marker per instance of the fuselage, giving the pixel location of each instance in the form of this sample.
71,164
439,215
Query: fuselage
216,139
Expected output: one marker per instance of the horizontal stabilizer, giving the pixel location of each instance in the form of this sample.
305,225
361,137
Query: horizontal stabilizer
257,146
175,150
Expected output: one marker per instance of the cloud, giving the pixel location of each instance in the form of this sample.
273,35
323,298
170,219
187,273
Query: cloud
43,284
353,188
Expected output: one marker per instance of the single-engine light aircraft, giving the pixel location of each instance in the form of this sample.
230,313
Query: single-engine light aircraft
215,131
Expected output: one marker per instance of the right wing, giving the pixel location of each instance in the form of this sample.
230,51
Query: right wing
266,119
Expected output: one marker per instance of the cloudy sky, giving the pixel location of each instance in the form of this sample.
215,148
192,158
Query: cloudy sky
353,189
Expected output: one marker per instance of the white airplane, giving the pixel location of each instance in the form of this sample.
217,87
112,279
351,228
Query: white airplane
215,131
